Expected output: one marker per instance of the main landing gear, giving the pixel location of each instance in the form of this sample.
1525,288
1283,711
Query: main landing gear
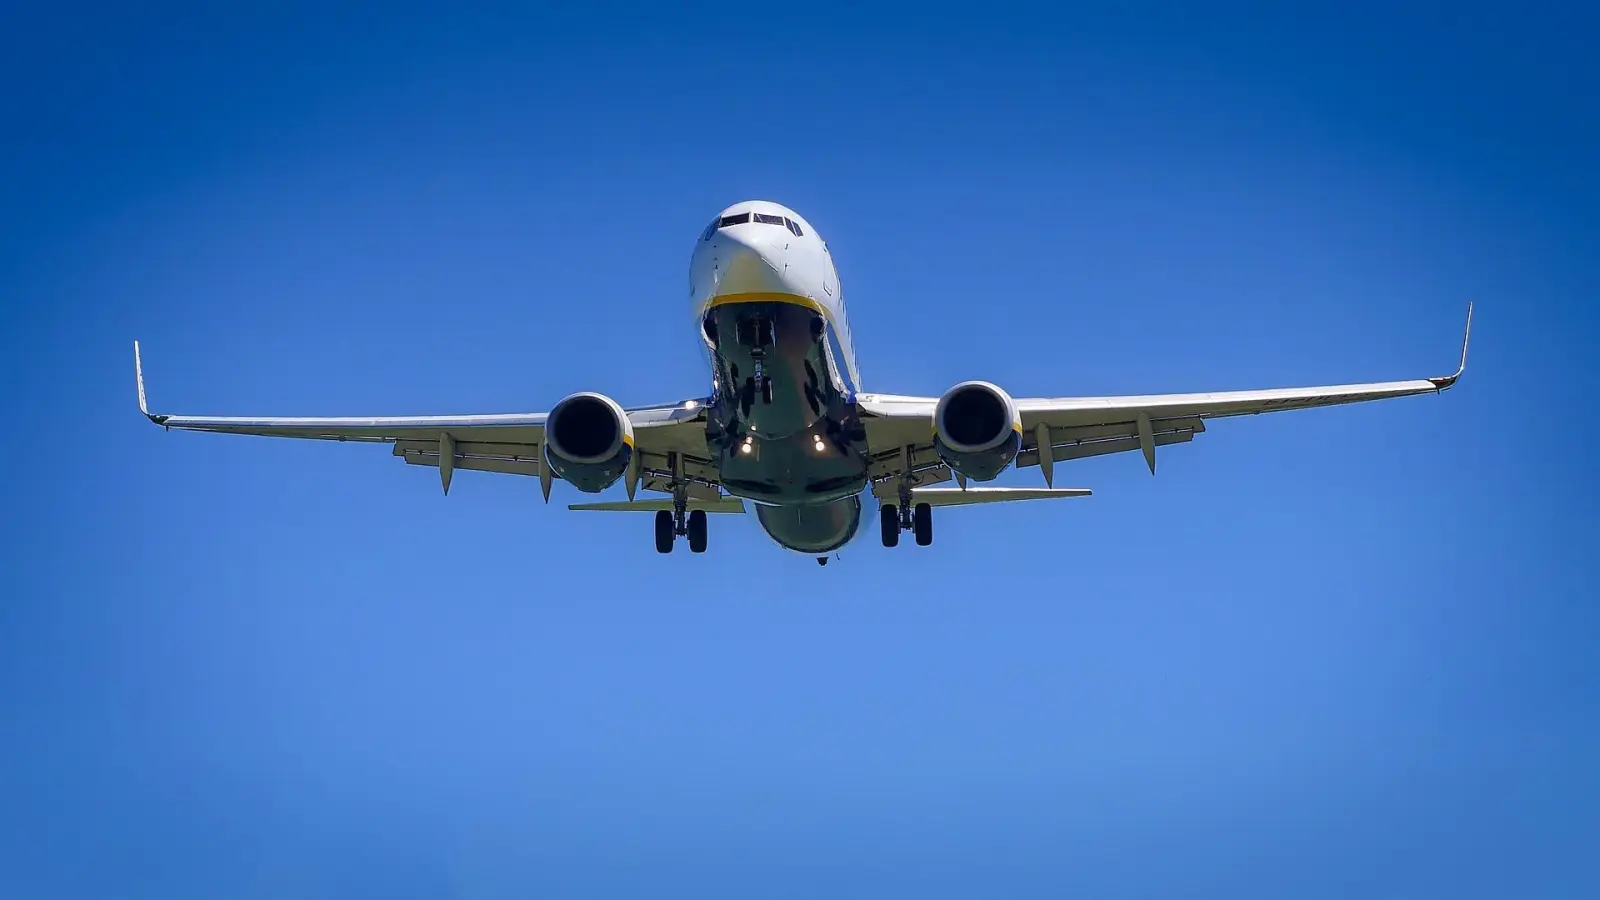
893,519
680,521
904,516
693,527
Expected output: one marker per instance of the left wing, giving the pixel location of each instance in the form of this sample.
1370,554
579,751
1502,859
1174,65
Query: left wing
899,428
510,443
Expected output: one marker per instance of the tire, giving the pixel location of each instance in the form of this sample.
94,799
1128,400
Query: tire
889,521
697,531
747,396
922,524
664,535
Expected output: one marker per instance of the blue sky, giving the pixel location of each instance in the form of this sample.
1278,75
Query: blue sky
1330,652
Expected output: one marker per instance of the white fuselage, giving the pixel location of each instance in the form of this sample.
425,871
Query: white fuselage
782,422
763,259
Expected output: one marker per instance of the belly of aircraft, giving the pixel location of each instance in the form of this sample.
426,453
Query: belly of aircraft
780,419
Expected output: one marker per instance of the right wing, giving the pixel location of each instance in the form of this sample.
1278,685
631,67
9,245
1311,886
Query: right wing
899,428
973,496
510,443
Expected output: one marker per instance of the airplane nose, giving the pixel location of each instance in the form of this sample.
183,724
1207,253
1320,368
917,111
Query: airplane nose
746,262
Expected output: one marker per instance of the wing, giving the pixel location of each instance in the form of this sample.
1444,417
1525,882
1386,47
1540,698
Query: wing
507,443
898,428
978,495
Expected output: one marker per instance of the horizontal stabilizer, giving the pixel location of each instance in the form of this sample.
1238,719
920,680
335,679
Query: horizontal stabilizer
725,505
970,496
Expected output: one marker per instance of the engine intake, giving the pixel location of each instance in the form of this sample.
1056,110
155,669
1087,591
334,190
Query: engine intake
588,441
977,429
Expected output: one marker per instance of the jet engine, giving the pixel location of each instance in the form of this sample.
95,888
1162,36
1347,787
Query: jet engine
977,429
588,441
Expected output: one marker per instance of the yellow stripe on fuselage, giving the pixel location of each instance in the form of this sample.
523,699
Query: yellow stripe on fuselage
768,297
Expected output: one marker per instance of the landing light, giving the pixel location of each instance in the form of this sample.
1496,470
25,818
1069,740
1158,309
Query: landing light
819,446
745,449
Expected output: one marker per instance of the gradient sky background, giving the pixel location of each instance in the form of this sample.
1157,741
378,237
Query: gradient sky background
1337,652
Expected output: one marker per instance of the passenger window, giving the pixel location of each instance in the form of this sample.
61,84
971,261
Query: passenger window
735,219
794,227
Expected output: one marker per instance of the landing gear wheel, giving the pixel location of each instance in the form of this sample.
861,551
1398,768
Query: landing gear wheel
664,531
922,524
889,519
747,396
697,531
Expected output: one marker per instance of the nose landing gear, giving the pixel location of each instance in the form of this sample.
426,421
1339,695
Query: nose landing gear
757,333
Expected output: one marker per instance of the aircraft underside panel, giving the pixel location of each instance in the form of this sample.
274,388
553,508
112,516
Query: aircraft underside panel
817,528
781,426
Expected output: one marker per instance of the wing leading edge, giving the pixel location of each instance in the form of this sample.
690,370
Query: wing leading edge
1077,427
509,443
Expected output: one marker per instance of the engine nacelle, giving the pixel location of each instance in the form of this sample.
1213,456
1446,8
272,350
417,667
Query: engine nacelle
977,430
588,441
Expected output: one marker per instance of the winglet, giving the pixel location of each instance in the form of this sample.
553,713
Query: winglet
1448,381
138,377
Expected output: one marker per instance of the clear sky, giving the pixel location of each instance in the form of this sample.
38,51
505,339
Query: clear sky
1330,653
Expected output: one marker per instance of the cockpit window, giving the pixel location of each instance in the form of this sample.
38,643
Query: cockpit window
746,218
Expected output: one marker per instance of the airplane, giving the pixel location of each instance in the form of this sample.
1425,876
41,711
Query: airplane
786,425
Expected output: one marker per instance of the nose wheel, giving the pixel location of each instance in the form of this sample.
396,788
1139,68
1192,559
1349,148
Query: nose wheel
757,333
757,386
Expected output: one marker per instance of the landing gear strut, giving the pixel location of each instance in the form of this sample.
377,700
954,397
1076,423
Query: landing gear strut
680,520
757,334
